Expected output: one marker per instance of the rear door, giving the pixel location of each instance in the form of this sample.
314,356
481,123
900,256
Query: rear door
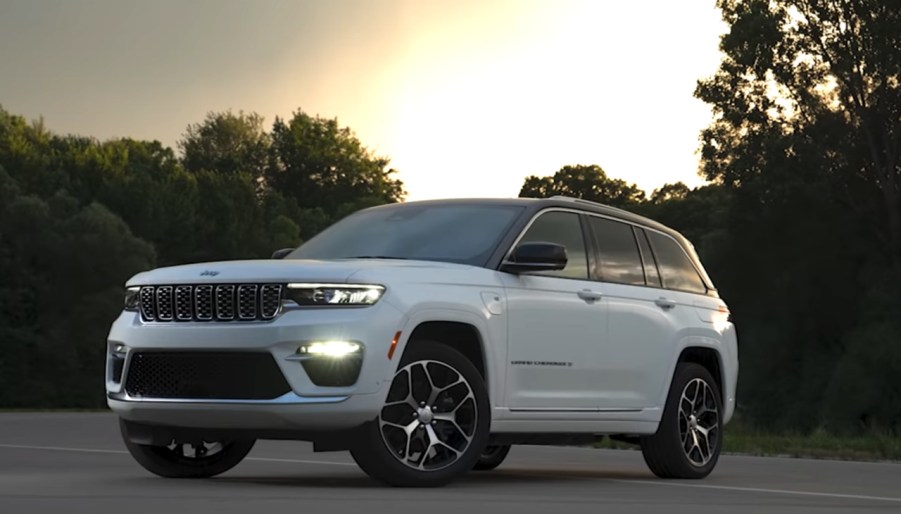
641,329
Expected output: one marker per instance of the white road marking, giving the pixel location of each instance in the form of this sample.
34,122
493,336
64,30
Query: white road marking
95,450
59,449
643,482
267,459
762,490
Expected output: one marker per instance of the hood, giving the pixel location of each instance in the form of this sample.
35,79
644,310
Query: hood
274,271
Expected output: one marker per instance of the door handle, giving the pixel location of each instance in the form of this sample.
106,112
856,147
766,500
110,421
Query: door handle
590,296
665,303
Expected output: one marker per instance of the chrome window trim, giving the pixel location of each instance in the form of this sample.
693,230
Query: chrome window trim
535,216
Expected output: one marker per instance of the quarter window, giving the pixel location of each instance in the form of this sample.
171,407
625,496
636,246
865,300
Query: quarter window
618,257
562,228
675,267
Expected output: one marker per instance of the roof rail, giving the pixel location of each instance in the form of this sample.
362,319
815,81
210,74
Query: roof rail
589,202
573,199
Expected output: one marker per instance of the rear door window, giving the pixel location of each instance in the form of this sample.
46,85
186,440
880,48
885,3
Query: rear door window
617,254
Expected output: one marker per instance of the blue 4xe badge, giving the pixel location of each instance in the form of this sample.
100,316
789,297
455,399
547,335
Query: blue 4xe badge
209,273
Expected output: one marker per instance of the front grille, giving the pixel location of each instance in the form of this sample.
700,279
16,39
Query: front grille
207,302
205,375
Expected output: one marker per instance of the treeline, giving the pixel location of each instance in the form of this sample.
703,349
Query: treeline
800,226
79,216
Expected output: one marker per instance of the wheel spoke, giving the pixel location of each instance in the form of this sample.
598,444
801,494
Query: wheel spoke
453,421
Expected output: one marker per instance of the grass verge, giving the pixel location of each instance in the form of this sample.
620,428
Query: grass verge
819,444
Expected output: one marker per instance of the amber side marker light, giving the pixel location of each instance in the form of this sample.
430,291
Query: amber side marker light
393,345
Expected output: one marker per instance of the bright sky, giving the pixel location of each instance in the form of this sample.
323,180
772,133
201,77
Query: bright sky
467,97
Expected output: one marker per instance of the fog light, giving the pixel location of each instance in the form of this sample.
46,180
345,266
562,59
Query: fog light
119,350
331,349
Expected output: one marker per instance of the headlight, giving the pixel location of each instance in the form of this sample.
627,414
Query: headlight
132,298
335,294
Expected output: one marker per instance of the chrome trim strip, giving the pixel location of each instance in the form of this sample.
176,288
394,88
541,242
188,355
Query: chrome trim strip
286,399
585,409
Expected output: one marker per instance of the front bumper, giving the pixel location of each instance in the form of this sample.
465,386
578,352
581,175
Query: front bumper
306,406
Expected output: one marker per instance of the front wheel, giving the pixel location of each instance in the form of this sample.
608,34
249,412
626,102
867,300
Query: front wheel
187,459
688,441
434,424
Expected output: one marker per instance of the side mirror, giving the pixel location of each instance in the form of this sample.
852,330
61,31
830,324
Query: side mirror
536,257
281,254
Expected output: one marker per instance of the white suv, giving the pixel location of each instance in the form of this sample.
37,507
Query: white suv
428,337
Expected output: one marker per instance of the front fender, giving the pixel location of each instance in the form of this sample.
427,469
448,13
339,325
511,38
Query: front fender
491,330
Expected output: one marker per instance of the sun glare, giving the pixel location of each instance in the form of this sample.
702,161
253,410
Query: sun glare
526,88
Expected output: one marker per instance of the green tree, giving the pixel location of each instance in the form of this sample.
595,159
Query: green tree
55,307
586,182
806,134
319,165
227,143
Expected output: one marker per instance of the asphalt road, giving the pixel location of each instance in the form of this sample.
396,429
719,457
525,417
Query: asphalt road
76,463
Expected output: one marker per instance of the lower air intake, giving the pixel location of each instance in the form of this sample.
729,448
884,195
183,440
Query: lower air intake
205,376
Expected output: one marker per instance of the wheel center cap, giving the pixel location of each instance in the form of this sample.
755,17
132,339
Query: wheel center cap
425,415
693,421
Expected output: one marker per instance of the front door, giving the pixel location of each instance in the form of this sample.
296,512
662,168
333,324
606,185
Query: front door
556,323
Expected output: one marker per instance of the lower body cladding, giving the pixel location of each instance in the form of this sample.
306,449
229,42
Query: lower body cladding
307,373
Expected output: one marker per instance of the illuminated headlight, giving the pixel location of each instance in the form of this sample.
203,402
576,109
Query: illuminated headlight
132,298
334,294
332,349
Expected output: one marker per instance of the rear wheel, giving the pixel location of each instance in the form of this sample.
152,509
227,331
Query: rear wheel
492,457
688,441
187,459
434,424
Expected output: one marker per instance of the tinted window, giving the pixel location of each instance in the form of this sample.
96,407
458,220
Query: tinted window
562,228
465,234
675,268
647,257
618,258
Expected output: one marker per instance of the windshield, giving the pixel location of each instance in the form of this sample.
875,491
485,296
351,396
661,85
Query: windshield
466,234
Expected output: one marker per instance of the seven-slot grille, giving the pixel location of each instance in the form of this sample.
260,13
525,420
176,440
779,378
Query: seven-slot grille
211,302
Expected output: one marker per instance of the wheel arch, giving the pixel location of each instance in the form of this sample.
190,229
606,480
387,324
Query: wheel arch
466,332
708,357
460,336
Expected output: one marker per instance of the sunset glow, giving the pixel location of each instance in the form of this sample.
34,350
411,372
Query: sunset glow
466,98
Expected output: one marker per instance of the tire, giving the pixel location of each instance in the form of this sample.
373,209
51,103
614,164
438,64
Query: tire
414,444
680,448
492,457
173,461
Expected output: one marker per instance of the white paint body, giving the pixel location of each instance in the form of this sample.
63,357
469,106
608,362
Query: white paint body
606,363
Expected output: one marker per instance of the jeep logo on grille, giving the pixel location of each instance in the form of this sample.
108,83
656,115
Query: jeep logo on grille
209,273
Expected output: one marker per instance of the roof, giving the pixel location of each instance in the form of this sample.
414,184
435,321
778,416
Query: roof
560,201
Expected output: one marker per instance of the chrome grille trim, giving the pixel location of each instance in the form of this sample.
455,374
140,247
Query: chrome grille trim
211,302
148,304
270,300
164,303
203,302
183,303
247,301
225,302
